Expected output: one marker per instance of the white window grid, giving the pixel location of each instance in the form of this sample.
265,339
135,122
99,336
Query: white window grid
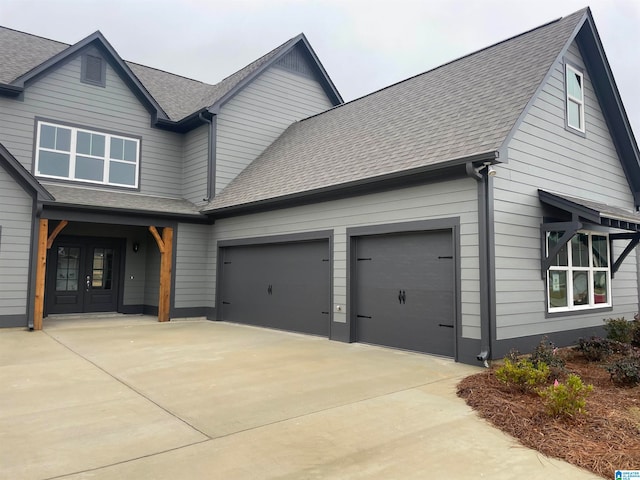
579,101
591,270
73,154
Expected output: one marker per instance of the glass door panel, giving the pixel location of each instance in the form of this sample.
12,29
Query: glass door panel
67,269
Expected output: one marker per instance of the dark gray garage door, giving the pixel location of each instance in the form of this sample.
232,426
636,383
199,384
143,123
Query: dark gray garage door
405,291
283,286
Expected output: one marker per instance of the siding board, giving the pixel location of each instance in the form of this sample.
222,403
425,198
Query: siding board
258,114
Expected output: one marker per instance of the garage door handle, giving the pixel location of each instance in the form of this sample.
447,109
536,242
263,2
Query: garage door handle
445,325
270,290
402,296
363,316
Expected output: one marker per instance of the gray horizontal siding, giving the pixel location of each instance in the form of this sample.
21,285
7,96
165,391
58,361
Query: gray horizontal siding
15,241
193,274
60,96
543,154
257,115
456,198
195,168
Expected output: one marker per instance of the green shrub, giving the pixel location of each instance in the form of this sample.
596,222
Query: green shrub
619,329
626,371
546,352
595,349
635,337
522,373
566,399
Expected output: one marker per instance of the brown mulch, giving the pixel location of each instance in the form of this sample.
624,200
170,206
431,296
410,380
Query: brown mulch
605,439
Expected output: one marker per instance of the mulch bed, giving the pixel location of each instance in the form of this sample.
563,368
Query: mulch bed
605,439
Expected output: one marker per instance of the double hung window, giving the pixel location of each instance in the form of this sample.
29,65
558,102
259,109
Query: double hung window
87,156
575,98
580,275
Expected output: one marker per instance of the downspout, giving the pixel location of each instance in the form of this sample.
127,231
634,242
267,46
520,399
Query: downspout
483,176
210,157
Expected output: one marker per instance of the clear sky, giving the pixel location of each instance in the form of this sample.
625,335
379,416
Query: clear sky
364,45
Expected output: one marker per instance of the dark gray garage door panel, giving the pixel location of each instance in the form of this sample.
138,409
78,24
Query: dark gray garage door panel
283,286
405,291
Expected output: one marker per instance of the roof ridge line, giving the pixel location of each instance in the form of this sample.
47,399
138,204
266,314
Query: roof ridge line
443,65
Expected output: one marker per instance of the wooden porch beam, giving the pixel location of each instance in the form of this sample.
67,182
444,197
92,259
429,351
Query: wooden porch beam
56,231
159,240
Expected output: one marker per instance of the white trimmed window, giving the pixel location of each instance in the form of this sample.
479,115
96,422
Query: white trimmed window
580,275
575,98
72,153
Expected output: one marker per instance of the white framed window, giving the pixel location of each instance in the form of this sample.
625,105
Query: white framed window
83,155
580,276
574,86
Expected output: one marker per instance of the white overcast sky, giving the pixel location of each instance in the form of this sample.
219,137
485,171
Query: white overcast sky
364,45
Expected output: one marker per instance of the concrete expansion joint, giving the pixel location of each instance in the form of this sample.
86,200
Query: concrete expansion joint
123,462
130,387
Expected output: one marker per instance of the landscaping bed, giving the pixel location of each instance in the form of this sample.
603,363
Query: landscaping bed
603,437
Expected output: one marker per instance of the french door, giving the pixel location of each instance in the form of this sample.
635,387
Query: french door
83,275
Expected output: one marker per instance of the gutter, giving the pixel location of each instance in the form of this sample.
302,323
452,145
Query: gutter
483,174
210,156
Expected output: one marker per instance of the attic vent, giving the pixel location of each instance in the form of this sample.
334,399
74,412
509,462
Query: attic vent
295,62
93,70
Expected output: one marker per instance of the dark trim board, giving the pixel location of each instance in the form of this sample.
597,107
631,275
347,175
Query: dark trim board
560,339
286,238
185,312
423,226
13,321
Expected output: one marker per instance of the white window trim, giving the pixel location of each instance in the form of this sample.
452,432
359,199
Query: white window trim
73,154
572,99
590,269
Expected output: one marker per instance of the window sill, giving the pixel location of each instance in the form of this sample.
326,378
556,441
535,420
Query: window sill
580,311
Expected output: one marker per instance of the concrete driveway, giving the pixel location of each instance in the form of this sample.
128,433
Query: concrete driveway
129,398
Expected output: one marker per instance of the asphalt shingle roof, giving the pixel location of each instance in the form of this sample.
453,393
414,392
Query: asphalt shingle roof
455,111
110,200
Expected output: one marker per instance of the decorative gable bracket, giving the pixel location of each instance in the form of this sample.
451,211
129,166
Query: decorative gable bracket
569,229
635,239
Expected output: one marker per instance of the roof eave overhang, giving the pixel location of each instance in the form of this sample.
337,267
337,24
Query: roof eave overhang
580,212
404,178
188,217
22,176
613,109
8,90
186,124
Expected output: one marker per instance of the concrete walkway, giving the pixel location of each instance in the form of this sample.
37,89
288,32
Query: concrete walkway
129,398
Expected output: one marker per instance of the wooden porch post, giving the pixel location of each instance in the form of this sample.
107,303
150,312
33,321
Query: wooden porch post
44,243
165,245
41,266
